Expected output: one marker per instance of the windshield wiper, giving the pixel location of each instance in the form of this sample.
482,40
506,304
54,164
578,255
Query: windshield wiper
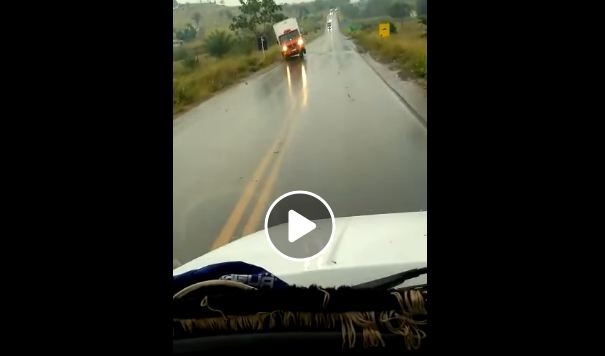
393,280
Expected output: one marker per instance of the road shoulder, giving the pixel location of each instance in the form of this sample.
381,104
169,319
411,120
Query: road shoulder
412,94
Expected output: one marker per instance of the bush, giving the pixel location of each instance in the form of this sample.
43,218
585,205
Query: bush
353,28
423,21
221,75
421,7
192,86
186,34
244,45
197,49
180,54
350,10
373,26
218,43
191,62
272,55
253,63
368,26
418,66
407,49
181,93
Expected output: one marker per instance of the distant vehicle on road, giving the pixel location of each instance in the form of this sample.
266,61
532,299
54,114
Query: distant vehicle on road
329,24
289,38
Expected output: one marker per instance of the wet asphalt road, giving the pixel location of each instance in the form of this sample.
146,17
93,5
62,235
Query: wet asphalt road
326,124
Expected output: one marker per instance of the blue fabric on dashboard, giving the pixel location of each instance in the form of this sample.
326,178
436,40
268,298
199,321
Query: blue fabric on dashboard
251,275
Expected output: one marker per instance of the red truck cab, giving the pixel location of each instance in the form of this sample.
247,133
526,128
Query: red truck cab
292,43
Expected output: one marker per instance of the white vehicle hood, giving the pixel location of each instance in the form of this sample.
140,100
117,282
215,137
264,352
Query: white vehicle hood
364,248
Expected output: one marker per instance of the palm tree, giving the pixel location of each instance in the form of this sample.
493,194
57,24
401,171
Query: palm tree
197,17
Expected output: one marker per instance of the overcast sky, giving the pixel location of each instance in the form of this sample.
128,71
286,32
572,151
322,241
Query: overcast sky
236,2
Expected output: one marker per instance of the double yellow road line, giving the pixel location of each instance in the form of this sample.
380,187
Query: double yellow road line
272,159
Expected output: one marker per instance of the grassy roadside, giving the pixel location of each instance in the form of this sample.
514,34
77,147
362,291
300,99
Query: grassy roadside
213,16
405,50
310,36
197,76
192,83
192,86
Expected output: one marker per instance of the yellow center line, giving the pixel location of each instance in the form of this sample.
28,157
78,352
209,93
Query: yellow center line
254,221
236,215
257,212
234,219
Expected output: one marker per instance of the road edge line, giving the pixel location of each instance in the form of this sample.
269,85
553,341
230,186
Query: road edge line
420,118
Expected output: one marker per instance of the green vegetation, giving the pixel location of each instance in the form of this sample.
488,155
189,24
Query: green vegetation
187,34
222,50
421,7
400,10
256,14
313,23
218,43
209,75
373,8
212,16
405,48
215,57
197,18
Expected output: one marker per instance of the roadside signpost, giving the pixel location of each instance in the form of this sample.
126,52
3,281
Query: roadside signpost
384,29
262,44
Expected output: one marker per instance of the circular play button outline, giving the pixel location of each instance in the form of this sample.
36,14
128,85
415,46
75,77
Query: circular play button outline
294,192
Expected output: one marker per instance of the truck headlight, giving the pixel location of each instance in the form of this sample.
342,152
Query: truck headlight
300,41
284,48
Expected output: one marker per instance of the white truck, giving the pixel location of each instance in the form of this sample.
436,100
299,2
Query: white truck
289,38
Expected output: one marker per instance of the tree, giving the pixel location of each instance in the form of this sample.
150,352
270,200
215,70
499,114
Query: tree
400,10
278,17
421,7
422,16
302,12
270,12
423,21
190,62
218,43
350,10
186,34
222,2
249,18
254,14
376,8
196,17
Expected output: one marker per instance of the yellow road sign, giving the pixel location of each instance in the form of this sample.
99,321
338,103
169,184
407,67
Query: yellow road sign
384,29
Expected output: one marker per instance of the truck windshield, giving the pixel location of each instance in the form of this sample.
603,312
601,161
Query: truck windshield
289,36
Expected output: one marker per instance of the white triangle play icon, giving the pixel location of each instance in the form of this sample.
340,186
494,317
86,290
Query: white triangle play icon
298,226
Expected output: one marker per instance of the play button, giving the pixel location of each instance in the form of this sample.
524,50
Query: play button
299,225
